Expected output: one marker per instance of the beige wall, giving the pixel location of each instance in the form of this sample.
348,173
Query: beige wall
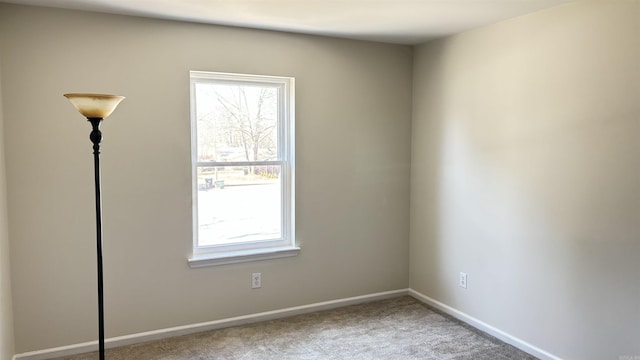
526,176
352,126
6,311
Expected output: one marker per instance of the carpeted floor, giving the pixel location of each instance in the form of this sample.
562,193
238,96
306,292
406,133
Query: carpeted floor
399,328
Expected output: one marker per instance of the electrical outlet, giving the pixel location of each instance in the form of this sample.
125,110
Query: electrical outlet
463,280
256,280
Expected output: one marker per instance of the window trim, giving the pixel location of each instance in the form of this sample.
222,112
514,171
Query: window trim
255,250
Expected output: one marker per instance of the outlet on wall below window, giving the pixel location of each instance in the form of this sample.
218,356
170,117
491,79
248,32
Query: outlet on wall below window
256,280
463,280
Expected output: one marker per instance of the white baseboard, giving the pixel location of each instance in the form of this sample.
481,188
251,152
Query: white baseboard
277,314
482,326
205,326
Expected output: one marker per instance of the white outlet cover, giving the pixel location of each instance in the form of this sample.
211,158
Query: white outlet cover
256,280
463,280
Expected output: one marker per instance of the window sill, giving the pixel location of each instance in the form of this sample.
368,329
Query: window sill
241,256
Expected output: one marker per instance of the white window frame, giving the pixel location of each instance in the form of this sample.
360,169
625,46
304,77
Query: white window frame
256,250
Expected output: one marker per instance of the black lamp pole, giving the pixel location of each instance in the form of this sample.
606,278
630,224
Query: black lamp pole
96,107
96,138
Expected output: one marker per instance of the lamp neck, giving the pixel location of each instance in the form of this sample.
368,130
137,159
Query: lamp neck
96,134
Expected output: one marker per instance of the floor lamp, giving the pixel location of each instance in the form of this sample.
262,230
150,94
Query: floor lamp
97,107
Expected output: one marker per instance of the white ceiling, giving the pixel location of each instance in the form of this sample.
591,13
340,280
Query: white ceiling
393,21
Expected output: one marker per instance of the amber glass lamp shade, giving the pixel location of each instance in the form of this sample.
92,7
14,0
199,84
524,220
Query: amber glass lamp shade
94,105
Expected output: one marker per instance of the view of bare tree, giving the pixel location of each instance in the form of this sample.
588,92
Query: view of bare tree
242,118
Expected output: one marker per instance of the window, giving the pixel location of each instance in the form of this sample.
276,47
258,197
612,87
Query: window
242,147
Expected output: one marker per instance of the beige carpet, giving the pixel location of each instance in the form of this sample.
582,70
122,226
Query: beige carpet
400,328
